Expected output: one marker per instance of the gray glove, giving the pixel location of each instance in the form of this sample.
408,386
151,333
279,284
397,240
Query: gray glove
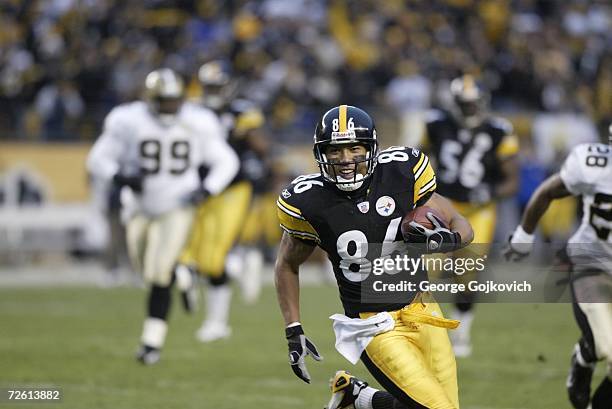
299,348
439,239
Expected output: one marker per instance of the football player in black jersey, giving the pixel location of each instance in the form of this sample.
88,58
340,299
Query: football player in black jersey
357,201
245,121
220,219
475,158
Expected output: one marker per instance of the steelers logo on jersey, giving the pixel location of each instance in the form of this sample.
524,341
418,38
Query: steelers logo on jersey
385,206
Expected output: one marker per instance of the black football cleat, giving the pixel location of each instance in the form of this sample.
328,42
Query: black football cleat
579,382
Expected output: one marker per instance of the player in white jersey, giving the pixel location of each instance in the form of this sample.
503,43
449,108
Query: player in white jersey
154,147
587,172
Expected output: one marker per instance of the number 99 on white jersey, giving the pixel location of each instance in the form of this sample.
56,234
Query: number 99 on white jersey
167,155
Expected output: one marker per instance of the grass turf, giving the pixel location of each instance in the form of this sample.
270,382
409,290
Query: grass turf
83,340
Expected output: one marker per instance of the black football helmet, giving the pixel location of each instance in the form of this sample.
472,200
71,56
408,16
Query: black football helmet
469,100
345,124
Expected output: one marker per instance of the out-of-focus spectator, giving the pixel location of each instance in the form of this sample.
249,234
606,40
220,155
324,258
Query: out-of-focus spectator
410,95
298,58
556,133
59,105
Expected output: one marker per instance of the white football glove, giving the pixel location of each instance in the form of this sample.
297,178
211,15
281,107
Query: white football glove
520,244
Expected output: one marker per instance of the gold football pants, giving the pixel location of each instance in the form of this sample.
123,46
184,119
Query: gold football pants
415,361
558,221
219,221
482,219
261,224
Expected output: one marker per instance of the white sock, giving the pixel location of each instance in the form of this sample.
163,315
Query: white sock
364,399
154,332
250,281
218,300
183,277
234,263
464,329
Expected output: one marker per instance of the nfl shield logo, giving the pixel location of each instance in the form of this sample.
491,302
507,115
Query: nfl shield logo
363,207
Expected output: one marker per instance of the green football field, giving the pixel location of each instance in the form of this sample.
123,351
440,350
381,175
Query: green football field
83,340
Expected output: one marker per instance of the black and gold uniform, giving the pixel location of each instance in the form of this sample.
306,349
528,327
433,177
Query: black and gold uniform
353,227
241,118
469,167
468,148
220,219
469,159
245,119
414,361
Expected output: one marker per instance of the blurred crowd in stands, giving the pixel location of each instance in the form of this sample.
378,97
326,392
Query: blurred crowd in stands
65,63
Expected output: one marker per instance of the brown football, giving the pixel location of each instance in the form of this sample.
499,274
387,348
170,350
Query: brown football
419,215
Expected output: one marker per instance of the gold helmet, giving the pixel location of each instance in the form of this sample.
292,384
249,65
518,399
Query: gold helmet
164,91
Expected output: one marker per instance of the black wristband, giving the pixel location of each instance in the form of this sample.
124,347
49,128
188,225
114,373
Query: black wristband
293,331
134,182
